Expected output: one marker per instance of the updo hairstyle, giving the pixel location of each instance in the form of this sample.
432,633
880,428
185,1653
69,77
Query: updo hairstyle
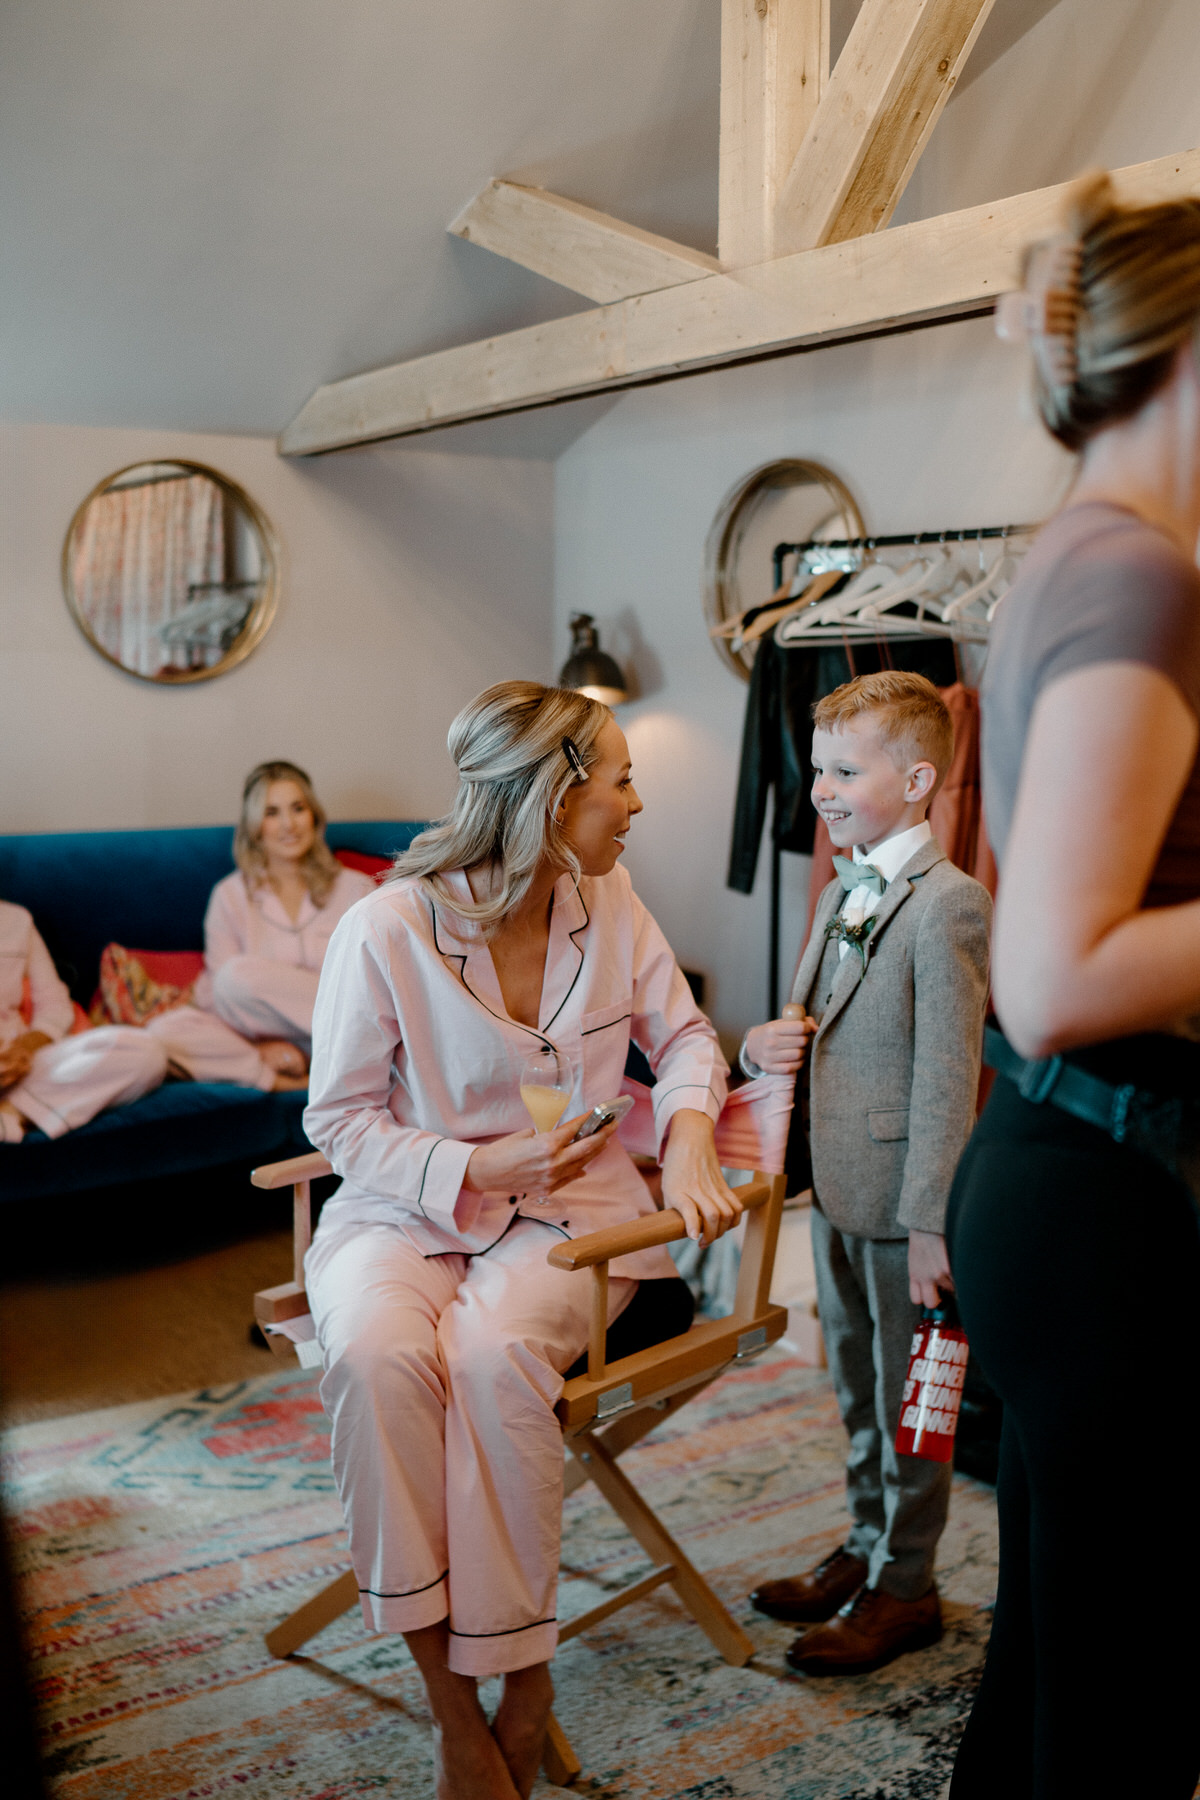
513,772
1139,300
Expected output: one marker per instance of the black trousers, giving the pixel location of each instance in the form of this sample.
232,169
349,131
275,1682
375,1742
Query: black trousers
1077,1263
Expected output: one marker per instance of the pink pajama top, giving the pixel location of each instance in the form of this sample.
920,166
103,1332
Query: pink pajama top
25,958
241,923
416,1062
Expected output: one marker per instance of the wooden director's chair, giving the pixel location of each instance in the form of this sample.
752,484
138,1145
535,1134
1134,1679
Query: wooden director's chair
614,1405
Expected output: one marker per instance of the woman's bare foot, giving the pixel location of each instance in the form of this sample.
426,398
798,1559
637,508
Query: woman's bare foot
287,1084
284,1057
467,1758
468,1761
519,1726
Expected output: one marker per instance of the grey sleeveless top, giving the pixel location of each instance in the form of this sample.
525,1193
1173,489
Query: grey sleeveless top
1098,586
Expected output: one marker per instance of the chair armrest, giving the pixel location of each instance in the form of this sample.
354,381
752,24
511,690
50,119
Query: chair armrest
638,1234
285,1174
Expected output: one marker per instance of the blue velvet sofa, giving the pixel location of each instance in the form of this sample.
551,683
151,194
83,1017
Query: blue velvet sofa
147,890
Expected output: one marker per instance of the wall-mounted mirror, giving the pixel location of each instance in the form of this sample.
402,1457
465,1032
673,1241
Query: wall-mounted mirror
789,501
171,571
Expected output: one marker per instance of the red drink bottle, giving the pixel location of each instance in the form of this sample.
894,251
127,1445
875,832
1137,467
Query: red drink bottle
937,1368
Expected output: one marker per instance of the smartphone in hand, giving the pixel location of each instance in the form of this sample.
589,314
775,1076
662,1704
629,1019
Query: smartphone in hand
603,1115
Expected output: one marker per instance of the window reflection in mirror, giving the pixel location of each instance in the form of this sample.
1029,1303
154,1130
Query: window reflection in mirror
171,571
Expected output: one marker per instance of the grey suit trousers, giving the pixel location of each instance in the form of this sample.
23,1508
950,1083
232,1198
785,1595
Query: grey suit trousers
898,1504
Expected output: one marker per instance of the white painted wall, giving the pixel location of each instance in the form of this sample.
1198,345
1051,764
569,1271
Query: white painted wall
411,579
929,431
414,576
1089,83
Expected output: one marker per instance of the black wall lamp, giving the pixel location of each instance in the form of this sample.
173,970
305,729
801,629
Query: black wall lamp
589,668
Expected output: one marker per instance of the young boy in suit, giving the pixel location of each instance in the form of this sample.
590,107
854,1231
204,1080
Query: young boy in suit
893,985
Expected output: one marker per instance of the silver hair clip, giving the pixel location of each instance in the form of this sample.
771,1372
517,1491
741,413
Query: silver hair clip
571,752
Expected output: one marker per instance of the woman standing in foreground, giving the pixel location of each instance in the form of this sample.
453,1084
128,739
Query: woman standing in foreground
1074,1238
445,1333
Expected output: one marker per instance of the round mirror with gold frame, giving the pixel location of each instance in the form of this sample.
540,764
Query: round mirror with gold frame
790,501
171,571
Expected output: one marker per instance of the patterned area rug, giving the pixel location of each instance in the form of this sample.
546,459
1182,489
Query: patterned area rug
157,1542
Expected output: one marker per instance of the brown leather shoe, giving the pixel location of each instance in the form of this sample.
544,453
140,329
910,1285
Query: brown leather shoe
869,1631
807,1599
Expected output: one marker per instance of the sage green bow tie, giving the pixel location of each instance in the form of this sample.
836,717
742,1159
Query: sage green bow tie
853,874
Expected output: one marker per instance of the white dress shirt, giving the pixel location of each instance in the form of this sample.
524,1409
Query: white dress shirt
889,858
416,1062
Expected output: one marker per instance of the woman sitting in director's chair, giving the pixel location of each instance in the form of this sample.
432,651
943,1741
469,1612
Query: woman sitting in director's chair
506,930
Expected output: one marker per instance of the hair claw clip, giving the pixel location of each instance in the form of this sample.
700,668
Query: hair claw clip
1045,312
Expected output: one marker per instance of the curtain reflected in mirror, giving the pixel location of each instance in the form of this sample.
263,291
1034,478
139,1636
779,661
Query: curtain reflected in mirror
170,571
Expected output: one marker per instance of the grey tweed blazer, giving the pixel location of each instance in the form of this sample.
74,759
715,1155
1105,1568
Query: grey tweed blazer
894,1067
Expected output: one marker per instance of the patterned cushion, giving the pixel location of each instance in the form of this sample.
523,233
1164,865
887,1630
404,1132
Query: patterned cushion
138,985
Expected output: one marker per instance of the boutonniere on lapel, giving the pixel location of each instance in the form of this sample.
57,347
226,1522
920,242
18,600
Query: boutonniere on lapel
852,926
852,929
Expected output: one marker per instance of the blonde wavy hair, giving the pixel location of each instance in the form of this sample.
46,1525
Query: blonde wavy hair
513,771
1138,300
320,867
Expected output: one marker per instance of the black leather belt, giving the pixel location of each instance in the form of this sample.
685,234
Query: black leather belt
1164,1127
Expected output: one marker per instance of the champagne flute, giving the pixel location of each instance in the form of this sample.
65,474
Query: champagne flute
547,1081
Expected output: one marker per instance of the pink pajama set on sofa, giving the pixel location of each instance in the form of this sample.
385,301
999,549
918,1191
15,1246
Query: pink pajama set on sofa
444,1331
75,1076
259,980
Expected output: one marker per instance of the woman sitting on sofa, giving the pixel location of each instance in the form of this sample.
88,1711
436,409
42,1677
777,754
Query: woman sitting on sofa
50,1076
506,932
265,935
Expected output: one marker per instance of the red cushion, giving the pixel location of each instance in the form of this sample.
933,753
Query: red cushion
376,866
173,968
137,985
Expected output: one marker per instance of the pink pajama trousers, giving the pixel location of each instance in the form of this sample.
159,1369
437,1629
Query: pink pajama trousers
441,1375
264,999
70,1082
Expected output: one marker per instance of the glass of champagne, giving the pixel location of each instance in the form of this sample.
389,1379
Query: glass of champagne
547,1081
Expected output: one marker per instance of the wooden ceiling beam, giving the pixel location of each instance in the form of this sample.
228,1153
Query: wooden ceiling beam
898,68
774,67
931,269
580,248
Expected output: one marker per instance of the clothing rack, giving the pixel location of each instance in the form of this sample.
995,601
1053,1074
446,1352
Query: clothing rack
957,535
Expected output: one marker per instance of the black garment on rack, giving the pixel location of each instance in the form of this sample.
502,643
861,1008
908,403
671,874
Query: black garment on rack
777,735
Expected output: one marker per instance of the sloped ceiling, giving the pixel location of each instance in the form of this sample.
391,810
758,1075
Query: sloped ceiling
208,207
